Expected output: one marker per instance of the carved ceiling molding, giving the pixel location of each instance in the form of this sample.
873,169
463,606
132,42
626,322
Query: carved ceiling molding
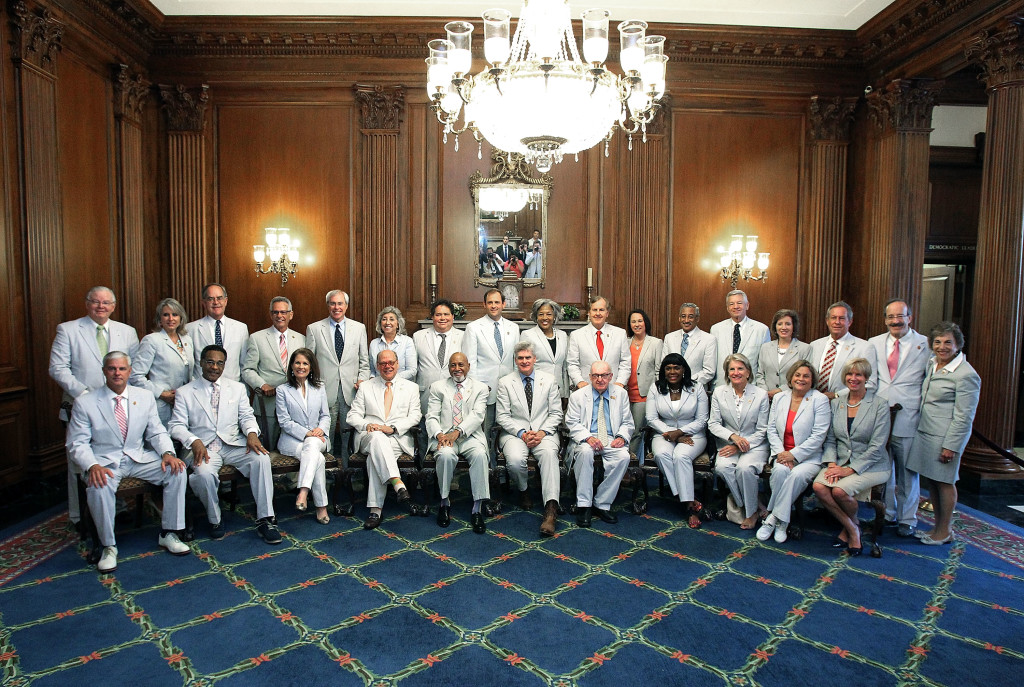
126,17
830,118
185,108
1000,52
919,18
904,105
131,91
380,107
37,35
767,53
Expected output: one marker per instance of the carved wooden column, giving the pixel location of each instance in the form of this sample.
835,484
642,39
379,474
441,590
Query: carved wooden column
130,93
821,237
36,40
379,237
995,344
898,225
186,160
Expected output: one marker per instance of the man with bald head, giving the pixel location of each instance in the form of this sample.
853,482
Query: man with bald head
600,424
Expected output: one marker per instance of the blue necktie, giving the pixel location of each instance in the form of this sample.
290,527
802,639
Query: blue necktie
339,342
497,340
218,338
686,342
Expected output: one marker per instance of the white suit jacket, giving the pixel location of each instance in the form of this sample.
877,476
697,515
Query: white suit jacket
428,370
553,364
368,408
701,353
262,363
752,335
689,414
581,408
511,412
751,422
905,389
771,374
810,426
95,439
440,407
648,364
862,447
193,416
583,353
296,418
355,361
235,336
75,360
485,365
159,367
849,347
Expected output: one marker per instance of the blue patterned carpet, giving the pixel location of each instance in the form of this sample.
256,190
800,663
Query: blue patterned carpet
646,601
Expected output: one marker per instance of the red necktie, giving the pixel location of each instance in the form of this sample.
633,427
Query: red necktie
826,367
894,359
600,346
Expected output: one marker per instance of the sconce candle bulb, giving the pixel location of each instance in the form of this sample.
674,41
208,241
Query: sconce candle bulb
283,252
739,261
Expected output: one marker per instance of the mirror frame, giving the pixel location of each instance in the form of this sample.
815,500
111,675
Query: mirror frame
509,169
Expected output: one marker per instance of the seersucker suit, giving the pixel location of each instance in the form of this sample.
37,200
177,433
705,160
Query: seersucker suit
752,335
159,366
810,427
551,363
740,471
861,447
701,353
515,416
849,347
263,365
235,336
428,369
485,363
771,371
690,415
619,422
297,415
472,442
340,378
583,353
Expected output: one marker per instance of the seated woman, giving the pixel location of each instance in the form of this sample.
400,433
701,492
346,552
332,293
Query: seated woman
677,411
797,426
739,420
305,426
855,458
391,327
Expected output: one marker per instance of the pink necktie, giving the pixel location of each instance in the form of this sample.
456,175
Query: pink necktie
894,359
457,406
284,352
121,417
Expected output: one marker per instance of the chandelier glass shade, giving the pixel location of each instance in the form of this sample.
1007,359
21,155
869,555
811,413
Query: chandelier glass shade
537,96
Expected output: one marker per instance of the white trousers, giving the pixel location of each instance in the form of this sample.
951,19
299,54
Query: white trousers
740,473
382,453
903,489
675,460
615,460
102,501
787,485
255,467
312,473
447,457
546,453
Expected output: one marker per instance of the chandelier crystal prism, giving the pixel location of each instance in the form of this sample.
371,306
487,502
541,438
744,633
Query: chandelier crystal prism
537,96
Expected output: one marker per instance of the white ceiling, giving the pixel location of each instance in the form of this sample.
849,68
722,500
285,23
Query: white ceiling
815,14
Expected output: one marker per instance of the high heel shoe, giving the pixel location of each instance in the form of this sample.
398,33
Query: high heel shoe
302,507
323,519
851,551
838,543
937,542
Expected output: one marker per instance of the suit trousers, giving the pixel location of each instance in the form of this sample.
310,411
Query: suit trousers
788,485
340,429
675,460
636,442
546,453
102,499
740,472
255,467
903,489
312,474
382,453
615,460
447,457
488,437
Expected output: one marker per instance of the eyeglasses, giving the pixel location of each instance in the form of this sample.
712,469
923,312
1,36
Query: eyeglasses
891,318
601,376
215,299
93,301
387,363
214,363
279,312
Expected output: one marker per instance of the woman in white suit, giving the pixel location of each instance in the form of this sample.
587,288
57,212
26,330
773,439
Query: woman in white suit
777,356
549,344
165,359
739,421
797,427
645,356
677,411
305,427
855,458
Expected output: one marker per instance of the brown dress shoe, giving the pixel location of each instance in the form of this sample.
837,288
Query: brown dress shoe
525,502
547,528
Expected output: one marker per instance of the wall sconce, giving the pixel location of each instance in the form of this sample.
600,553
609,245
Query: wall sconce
283,252
740,259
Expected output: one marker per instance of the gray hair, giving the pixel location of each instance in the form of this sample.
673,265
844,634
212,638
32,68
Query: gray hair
737,292
219,286
176,308
599,297
279,299
523,346
334,292
898,300
696,308
96,289
947,328
398,316
840,304
117,355
540,303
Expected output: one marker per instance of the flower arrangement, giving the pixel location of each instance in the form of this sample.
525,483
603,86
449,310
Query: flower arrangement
459,311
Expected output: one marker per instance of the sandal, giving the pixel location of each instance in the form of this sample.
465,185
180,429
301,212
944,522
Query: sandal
693,522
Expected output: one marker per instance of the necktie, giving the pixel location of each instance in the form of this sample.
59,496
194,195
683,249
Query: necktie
826,367
600,346
457,406
686,342
284,352
339,343
894,359
529,394
497,340
389,397
602,423
218,337
121,417
440,351
101,340
736,338
215,401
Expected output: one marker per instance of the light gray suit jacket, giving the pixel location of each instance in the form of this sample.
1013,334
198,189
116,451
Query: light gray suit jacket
950,403
75,360
581,408
95,439
752,335
355,361
440,415
485,365
690,415
751,422
263,358
583,353
771,374
235,335
159,367
863,446
511,412
368,408
554,364
850,347
810,426
701,353
428,370
648,364
296,418
193,416
905,389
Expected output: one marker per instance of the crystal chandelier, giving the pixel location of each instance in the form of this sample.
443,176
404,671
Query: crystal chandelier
536,97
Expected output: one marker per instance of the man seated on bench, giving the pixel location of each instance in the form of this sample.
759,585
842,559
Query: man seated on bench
456,407
208,414
600,424
105,441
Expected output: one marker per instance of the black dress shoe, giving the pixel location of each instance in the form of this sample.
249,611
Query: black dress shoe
217,531
444,516
477,521
583,516
371,522
606,516
405,502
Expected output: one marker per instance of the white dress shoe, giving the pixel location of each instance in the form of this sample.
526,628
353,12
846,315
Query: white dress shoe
108,561
780,532
766,528
173,545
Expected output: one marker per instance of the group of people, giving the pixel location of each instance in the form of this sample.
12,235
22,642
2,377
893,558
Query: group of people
524,259
820,413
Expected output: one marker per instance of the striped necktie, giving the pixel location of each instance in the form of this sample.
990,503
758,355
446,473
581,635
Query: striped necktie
826,367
